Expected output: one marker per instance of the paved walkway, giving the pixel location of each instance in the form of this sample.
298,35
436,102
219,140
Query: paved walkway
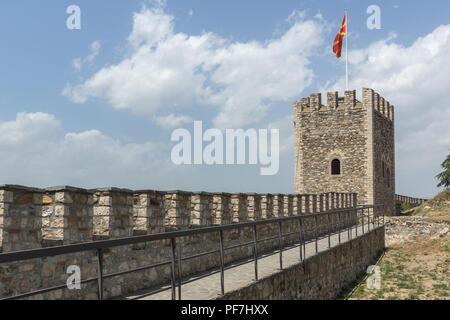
208,287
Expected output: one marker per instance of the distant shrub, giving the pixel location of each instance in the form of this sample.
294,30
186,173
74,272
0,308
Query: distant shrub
444,176
406,206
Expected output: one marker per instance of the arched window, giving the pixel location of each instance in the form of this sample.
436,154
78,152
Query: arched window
336,167
388,174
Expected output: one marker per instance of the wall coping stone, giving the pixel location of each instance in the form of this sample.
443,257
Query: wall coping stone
111,189
150,191
178,191
20,188
68,188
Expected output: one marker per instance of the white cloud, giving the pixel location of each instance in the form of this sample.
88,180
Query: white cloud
95,50
173,121
78,63
416,80
35,151
173,70
26,127
295,16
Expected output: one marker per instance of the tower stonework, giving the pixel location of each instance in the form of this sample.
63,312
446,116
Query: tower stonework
346,146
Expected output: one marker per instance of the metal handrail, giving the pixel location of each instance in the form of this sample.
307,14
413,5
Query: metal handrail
99,246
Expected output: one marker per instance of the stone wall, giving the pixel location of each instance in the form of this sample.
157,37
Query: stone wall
412,202
321,276
20,218
36,218
359,134
383,150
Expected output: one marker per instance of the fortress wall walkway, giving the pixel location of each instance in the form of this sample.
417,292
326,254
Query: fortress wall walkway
320,274
104,274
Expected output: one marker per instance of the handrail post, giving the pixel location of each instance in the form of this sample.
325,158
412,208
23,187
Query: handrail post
363,219
300,237
222,268
100,273
173,244
375,216
368,219
315,233
281,244
349,225
329,230
255,251
179,273
339,226
357,223
372,212
303,239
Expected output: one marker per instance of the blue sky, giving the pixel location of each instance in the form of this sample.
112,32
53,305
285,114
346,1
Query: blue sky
82,124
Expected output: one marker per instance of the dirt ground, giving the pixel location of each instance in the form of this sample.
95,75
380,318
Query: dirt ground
416,262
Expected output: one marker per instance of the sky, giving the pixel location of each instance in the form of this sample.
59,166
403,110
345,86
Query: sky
96,106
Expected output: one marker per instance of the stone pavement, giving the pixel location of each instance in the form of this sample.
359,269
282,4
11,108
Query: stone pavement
208,287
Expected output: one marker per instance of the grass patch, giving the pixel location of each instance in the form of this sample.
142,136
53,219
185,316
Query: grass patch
440,286
413,296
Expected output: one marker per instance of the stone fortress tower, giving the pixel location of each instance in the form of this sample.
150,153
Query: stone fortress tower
346,146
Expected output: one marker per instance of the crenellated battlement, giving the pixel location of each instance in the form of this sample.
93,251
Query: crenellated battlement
33,218
371,100
334,102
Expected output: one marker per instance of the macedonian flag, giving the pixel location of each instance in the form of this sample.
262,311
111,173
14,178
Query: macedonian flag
337,44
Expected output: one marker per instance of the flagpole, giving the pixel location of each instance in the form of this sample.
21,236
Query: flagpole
346,50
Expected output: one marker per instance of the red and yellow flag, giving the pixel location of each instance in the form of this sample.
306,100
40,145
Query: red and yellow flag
337,44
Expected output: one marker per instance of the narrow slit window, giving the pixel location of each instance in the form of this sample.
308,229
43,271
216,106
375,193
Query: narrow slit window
336,167
388,173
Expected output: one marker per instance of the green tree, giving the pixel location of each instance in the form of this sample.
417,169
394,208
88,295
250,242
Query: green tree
444,176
